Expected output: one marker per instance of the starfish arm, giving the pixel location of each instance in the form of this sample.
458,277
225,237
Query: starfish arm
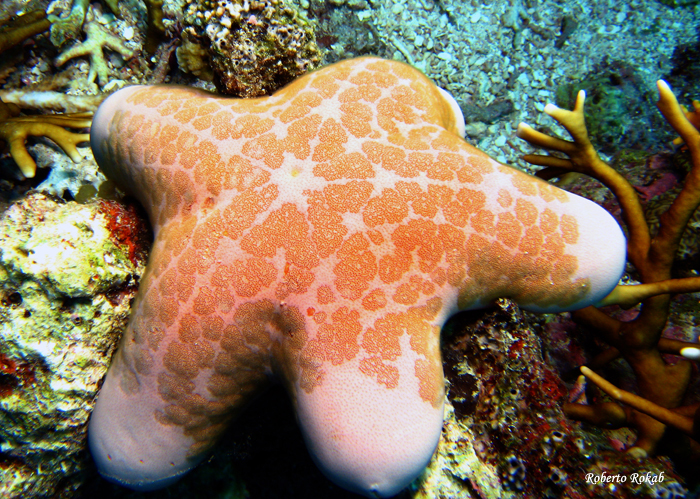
390,428
169,394
583,158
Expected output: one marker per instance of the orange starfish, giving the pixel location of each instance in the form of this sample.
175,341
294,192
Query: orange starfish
320,236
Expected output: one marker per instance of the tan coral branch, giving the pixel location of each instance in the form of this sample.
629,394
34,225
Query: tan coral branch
674,221
641,404
97,39
25,26
15,130
628,296
48,100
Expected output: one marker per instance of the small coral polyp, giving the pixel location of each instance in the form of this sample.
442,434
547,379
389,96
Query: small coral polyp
320,236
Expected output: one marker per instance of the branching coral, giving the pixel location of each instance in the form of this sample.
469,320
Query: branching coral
68,28
48,95
156,28
638,341
15,129
693,116
15,31
681,418
49,100
97,39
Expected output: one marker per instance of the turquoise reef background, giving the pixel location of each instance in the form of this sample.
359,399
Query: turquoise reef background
72,250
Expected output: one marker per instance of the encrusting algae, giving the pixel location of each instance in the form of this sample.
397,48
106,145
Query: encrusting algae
63,304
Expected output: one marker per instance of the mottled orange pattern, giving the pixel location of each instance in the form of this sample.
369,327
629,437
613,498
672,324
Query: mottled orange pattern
314,229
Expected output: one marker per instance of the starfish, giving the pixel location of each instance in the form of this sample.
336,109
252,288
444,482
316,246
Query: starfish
320,236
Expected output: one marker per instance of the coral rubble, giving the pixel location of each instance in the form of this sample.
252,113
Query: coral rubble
63,303
254,47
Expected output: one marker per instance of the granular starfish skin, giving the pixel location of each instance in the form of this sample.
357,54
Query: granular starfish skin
320,236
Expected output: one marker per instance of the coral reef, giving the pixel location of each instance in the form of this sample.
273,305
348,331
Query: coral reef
505,433
638,340
254,47
70,297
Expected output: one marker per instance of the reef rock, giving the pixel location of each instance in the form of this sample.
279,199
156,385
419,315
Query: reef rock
67,275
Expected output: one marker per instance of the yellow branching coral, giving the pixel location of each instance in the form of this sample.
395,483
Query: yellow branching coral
693,116
15,129
638,341
97,39
16,30
68,28
681,418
